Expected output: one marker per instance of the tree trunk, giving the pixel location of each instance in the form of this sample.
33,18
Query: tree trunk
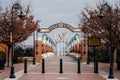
8,62
113,54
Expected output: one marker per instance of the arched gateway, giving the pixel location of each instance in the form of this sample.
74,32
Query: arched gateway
59,25
52,27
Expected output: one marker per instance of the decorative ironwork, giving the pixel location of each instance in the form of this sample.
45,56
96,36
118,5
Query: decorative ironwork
59,25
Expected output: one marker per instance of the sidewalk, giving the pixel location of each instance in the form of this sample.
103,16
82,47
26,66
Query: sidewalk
5,73
69,71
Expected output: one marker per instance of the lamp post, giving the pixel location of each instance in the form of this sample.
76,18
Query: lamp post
46,43
75,44
51,45
88,56
111,74
78,46
37,40
84,45
49,42
72,46
42,44
15,6
34,61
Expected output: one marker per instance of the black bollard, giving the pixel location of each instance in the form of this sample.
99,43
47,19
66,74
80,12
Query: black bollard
43,66
61,66
25,65
79,70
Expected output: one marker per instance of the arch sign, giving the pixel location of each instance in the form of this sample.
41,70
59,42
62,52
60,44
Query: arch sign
59,25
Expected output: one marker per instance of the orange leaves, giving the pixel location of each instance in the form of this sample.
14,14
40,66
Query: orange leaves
91,24
23,28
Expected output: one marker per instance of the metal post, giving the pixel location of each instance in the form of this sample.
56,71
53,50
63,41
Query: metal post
81,53
46,46
84,46
95,61
61,66
88,56
12,75
34,49
15,6
111,74
79,66
25,65
37,42
43,66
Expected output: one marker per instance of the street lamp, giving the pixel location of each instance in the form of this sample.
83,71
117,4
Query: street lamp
42,44
74,44
46,43
38,29
111,74
15,6
71,45
34,61
84,45
88,57
78,42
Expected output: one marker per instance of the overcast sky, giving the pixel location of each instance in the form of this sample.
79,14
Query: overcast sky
54,11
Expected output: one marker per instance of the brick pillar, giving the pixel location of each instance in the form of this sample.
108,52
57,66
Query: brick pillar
38,56
84,48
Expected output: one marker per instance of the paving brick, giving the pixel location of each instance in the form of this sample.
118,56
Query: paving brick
69,70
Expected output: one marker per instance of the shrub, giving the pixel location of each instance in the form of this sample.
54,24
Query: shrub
2,55
118,55
102,52
2,59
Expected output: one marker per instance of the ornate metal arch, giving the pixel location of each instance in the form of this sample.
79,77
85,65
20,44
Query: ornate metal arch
59,25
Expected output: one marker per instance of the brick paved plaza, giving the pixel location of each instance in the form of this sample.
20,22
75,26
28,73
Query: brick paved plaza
52,71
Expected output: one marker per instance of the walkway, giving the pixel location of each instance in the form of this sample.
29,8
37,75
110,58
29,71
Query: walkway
69,71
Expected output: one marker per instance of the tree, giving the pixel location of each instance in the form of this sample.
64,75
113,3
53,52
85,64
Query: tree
23,28
91,24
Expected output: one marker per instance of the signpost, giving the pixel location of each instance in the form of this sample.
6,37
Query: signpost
94,42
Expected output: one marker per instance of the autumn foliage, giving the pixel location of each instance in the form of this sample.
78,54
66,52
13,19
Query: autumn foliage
23,28
92,24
